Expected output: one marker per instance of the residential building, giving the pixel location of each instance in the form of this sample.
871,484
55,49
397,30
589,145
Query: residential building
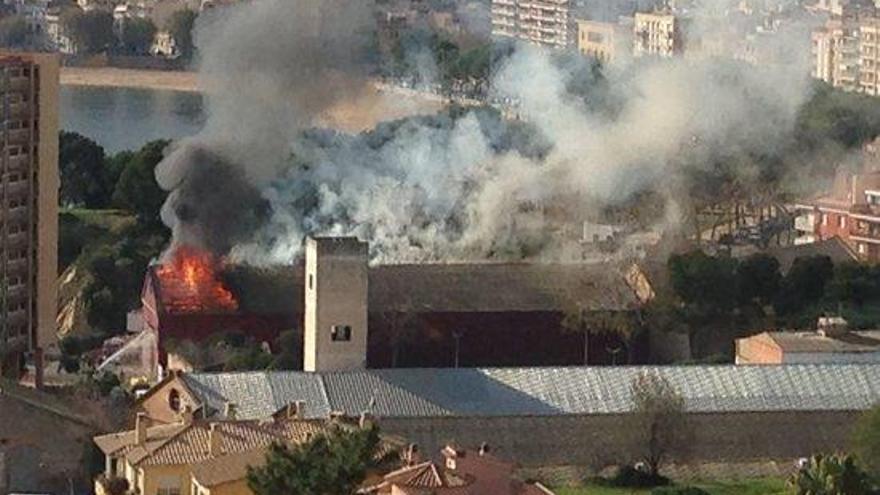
28,207
869,56
546,23
604,41
660,34
541,416
197,457
850,210
461,472
55,30
836,53
831,342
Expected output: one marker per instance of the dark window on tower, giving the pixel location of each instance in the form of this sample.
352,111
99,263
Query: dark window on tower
340,333
311,281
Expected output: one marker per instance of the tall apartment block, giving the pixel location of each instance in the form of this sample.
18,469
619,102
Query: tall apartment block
543,22
869,56
660,34
835,53
28,207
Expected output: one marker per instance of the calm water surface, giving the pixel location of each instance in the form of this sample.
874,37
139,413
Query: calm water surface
122,118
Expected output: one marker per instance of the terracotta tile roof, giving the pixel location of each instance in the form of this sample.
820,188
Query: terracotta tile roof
472,474
120,444
181,443
228,468
192,445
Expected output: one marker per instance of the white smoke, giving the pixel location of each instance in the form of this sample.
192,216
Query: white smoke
466,187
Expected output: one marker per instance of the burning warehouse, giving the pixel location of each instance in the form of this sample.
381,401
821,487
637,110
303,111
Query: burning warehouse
418,315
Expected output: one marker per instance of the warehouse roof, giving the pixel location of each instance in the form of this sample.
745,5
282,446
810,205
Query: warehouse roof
537,391
440,287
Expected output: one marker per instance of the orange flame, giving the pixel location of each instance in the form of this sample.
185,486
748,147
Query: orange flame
190,283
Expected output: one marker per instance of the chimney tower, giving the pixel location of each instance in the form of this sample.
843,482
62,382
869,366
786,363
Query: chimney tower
335,336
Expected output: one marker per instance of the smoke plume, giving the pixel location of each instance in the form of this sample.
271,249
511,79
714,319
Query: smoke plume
464,184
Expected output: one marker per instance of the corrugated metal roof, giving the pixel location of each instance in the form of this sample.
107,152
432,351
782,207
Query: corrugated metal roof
260,394
541,391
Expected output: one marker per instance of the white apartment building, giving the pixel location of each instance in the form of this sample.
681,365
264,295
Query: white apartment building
542,22
658,34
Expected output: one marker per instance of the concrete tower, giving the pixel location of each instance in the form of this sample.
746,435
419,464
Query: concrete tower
335,336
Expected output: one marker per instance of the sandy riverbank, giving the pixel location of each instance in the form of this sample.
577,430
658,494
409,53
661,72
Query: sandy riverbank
130,78
375,104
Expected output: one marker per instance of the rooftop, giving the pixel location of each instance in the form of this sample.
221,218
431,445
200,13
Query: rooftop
536,391
474,287
189,443
811,341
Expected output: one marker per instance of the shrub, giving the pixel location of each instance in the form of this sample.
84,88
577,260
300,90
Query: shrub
630,477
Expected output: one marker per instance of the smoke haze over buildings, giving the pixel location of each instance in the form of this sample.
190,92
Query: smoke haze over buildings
254,183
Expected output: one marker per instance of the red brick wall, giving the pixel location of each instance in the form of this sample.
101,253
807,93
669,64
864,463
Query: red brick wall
829,225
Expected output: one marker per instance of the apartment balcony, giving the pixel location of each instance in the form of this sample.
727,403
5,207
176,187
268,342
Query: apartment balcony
805,223
18,136
509,3
19,84
865,229
19,110
18,163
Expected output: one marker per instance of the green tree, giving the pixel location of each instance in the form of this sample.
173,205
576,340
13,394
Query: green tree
758,279
137,189
137,36
831,475
804,284
660,422
855,283
90,32
14,32
84,176
866,440
704,281
331,463
180,26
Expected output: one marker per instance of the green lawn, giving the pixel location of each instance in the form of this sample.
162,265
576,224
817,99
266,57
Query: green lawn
760,486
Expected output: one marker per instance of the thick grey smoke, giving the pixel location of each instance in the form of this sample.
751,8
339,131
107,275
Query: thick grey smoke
465,185
269,67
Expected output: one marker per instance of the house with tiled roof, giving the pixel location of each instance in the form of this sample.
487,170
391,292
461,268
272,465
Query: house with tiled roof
460,472
195,456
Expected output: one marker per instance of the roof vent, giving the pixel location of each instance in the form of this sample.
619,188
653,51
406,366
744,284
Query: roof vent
832,326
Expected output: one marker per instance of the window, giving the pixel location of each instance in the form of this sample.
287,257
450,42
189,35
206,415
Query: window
594,37
311,281
168,491
824,219
841,222
863,248
174,400
340,333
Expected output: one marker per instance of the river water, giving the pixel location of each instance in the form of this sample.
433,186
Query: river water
125,119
